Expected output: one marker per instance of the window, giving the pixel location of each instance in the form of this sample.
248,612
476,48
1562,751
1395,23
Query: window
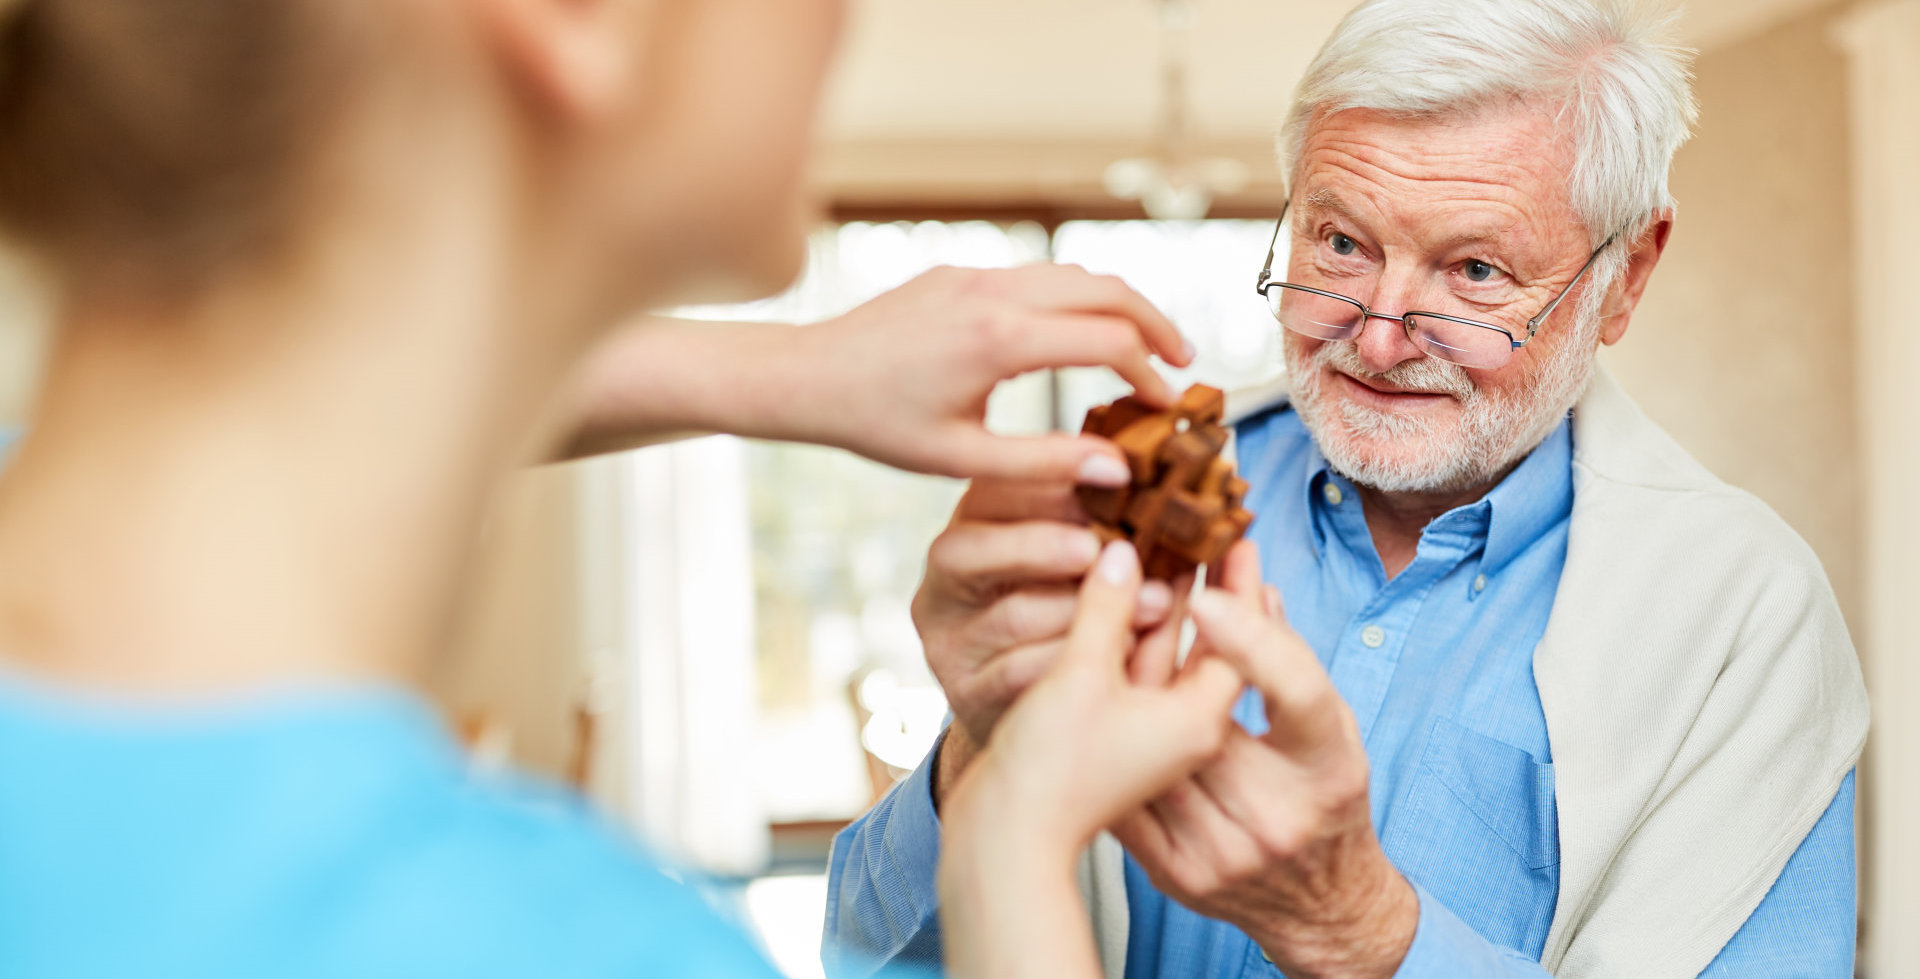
844,702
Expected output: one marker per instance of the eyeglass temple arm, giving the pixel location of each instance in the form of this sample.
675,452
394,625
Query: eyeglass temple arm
1533,325
1266,271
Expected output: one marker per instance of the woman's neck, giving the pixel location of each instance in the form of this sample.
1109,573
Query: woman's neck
274,486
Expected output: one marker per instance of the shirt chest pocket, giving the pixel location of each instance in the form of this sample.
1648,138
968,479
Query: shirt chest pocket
1479,831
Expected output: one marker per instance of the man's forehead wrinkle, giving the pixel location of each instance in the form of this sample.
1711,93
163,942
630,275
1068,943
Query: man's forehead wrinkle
1455,210
1516,150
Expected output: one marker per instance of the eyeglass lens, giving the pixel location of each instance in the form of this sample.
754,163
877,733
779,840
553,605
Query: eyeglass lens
1322,317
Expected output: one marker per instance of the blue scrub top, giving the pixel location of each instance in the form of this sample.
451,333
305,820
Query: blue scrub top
316,833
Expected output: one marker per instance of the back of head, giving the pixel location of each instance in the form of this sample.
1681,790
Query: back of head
146,143
1611,69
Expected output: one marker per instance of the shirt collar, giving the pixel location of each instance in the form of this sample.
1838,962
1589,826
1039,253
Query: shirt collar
1533,498
1536,496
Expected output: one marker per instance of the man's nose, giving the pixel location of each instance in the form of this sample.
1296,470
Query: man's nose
1383,343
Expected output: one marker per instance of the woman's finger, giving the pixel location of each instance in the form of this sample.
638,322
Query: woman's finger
970,451
1102,632
1069,287
1043,340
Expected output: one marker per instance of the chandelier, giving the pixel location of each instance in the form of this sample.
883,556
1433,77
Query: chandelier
1173,184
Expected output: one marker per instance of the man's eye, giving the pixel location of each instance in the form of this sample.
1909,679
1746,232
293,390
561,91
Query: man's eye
1478,271
1343,245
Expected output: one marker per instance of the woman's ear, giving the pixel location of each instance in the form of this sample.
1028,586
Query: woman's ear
1643,255
573,58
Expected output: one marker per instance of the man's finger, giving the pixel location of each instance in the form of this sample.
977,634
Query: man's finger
1068,287
1144,836
1251,782
978,556
1102,633
1201,829
1001,500
1302,705
1240,569
1046,612
1210,685
1008,674
1154,659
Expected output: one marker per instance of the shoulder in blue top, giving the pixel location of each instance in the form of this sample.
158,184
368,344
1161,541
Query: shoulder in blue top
320,834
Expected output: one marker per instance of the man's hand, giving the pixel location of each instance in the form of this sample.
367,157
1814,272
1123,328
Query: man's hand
903,379
998,599
1276,835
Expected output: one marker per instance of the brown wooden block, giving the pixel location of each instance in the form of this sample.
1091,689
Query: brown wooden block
1115,417
1185,519
1165,565
1141,442
1104,504
1144,511
1189,453
1215,481
1202,405
1185,505
1095,423
1234,491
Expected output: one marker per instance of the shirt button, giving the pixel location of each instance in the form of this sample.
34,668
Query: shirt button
1373,636
1332,493
1480,583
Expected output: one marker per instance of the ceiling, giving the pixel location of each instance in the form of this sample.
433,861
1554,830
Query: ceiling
933,97
1080,68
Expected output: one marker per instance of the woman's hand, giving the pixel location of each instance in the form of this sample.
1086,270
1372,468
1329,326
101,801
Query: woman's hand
913,368
1085,745
903,379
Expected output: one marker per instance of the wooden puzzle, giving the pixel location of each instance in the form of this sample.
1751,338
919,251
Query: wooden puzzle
1184,507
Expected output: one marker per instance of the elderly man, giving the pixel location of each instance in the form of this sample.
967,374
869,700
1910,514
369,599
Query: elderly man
1596,711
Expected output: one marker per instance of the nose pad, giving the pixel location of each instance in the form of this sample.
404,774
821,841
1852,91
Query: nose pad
1385,343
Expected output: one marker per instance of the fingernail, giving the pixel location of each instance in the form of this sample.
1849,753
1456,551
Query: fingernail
1104,470
1188,350
1155,598
1117,563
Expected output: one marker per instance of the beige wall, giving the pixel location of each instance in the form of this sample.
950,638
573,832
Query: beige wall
519,660
1743,348
1882,40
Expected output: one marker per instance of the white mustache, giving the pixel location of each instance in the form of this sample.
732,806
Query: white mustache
1423,376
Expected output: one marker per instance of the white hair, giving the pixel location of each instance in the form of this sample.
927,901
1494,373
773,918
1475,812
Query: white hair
1621,82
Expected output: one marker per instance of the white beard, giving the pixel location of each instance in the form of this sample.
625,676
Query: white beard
1403,453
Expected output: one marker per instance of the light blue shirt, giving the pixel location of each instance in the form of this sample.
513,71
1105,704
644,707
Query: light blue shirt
334,834
1437,665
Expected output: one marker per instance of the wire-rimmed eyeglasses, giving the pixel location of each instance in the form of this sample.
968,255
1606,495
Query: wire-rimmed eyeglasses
1469,343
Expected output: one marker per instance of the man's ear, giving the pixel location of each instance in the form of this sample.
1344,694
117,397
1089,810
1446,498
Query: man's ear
573,58
1643,254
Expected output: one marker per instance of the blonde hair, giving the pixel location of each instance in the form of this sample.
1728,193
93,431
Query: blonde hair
148,145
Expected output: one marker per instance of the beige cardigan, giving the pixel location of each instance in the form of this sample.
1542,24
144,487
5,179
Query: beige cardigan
1702,699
